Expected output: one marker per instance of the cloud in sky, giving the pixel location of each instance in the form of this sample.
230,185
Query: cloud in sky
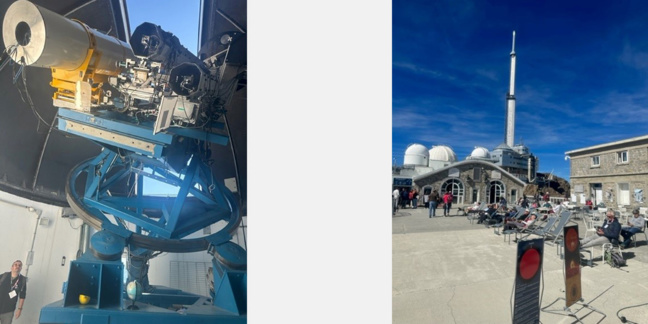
581,78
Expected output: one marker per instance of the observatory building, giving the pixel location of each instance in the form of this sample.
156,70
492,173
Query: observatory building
478,178
483,176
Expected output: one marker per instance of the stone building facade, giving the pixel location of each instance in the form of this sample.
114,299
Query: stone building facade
615,173
470,181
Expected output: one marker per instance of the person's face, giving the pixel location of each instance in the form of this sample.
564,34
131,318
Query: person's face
17,266
636,215
610,216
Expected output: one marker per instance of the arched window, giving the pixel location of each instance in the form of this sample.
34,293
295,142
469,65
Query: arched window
496,190
456,187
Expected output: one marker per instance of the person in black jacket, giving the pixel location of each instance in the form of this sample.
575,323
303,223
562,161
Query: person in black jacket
13,287
608,233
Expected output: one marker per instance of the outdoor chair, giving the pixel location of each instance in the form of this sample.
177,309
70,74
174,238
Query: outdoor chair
473,214
542,228
643,231
557,231
520,230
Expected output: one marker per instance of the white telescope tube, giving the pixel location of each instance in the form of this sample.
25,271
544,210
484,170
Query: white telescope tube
47,39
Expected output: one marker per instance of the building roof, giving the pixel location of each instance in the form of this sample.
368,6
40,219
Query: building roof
608,145
503,146
485,163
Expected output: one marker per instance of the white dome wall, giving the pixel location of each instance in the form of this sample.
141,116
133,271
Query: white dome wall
442,153
416,154
480,153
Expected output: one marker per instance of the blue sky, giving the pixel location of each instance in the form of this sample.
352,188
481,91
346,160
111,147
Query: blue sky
180,20
581,74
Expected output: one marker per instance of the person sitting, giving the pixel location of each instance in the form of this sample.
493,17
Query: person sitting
524,215
490,210
472,209
635,225
503,203
519,225
608,233
547,205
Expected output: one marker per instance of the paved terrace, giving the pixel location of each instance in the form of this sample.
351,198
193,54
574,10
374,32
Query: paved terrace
446,270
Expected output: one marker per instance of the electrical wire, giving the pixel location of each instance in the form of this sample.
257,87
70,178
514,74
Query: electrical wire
623,319
29,101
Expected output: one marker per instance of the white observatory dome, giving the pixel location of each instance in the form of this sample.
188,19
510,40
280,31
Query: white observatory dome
480,153
416,154
442,153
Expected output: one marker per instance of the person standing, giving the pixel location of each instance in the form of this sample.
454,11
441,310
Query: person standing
410,197
426,200
415,199
404,196
447,203
395,196
13,287
434,202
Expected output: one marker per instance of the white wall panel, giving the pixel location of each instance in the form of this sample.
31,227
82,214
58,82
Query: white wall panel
52,241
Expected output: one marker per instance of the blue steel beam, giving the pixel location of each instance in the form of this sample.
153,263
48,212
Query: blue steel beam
126,215
187,183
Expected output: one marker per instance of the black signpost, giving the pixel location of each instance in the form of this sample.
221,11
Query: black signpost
526,308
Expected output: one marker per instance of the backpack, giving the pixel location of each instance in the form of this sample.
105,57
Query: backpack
614,258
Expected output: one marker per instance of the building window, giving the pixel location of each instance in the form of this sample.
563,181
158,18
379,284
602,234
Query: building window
596,161
622,157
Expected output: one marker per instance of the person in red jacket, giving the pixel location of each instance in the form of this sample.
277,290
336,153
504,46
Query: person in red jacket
546,196
447,203
411,197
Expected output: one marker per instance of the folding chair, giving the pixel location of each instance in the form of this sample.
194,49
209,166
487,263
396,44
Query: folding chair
542,230
472,214
556,232
528,229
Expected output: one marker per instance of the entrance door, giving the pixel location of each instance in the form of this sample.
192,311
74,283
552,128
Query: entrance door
456,187
496,191
597,192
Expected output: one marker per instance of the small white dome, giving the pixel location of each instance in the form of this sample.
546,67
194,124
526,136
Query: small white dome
416,154
480,153
442,153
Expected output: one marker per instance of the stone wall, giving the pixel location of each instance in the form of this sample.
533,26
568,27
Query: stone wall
610,174
467,177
